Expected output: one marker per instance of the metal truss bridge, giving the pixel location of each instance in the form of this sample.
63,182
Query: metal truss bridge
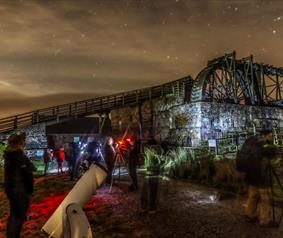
224,80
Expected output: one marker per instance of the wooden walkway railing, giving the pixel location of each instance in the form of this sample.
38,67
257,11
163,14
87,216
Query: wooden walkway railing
95,105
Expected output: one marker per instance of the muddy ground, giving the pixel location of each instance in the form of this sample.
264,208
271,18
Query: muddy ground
185,210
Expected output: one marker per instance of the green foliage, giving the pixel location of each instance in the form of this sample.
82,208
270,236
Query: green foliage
151,158
277,179
200,165
175,163
39,164
200,152
181,119
2,148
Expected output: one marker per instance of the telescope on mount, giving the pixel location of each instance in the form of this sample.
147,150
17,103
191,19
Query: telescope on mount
69,220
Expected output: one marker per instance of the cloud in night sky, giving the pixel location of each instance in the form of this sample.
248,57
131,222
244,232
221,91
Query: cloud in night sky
54,52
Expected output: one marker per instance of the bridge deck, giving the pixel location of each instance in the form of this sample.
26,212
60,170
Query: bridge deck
94,105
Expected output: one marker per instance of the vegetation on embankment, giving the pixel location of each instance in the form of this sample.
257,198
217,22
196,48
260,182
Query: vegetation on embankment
199,165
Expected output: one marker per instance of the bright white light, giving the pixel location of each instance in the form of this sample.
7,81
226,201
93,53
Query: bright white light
212,198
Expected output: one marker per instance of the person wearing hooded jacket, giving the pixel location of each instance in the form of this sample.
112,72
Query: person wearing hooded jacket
18,183
256,154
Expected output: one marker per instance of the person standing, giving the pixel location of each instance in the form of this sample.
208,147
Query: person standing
60,155
69,156
134,151
109,158
18,183
46,160
254,159
150,184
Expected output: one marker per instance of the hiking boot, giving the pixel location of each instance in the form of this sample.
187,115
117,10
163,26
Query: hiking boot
28,217
271,224
132,187
250,220
152,212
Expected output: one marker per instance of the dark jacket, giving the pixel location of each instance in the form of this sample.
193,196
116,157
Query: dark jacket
46,157
134,153
258,155
109,153
18,172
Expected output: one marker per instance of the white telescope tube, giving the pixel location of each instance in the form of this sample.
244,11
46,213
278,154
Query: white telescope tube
80,194
76,224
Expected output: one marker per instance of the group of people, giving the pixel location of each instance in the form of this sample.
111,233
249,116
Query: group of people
254,160
58,155
74,155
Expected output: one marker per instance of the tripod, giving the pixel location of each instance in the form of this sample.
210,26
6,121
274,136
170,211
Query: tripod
273,172
119,160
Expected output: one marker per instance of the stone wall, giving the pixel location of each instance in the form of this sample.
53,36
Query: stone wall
35,139
138,119
181,124
219,119
171,120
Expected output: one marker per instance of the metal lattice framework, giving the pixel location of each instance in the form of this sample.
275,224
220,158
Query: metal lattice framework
228,80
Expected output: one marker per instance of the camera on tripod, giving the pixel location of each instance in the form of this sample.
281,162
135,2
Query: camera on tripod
124,144
122,151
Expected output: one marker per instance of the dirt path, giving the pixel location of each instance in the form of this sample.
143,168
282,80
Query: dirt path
185,210
195,211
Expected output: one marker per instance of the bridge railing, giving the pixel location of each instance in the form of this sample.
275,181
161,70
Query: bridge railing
94,105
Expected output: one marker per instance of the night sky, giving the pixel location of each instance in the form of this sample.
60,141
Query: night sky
52,52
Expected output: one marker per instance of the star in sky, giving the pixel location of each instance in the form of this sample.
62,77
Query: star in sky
54,52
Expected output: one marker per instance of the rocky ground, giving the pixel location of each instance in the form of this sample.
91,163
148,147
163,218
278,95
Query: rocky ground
185,210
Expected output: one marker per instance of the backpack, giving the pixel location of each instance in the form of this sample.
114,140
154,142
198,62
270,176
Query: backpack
241,162
249,149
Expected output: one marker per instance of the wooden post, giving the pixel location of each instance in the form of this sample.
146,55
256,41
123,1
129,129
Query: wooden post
76,110
108,105
101,105
57,113
137,97
151,120
86,107
16,122
140,121
35,117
